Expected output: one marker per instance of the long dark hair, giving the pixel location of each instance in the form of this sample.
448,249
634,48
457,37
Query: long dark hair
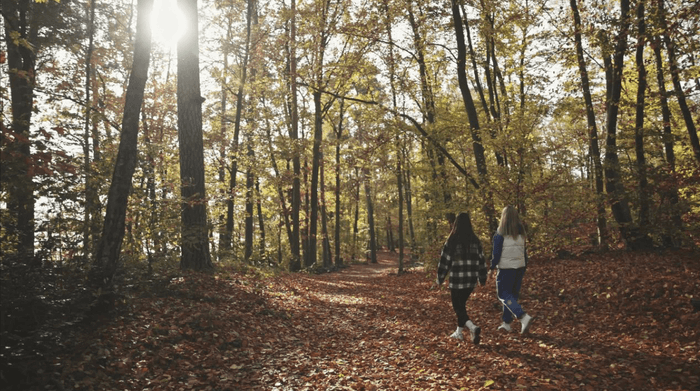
462,233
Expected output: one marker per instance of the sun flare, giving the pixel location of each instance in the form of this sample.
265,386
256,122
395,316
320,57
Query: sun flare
167,23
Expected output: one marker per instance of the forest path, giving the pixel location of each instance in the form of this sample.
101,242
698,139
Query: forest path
616,321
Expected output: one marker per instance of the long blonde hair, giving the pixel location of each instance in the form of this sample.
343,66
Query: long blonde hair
510,223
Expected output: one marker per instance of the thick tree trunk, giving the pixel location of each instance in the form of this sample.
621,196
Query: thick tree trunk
194,230
107,254
21,61
593,148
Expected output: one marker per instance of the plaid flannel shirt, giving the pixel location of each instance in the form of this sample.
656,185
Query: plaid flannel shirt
464,273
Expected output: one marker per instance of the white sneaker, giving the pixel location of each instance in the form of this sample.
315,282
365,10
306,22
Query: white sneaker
525,321
505,326
457,335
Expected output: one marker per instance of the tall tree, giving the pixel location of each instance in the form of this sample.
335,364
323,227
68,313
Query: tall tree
639,119
472,114
90,196
670,239
338,137
109,246
613,180
21,32
675,77
295,263
370,216
194,229
240,99
593,148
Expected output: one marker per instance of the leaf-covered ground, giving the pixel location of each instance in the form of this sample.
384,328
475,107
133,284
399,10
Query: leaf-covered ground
616,321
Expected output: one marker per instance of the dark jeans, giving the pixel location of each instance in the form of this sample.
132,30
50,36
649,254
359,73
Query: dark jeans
508,283
459,304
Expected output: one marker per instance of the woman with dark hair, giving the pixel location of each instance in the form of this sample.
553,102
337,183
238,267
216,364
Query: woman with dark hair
462,256
510,257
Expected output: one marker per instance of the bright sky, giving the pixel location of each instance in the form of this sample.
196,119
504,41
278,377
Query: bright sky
168,23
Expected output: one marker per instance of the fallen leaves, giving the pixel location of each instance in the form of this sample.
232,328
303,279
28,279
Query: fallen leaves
616,321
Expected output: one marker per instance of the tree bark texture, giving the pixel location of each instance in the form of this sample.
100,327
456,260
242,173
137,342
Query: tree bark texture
639,120
678,88
593,148
473,116
21,62
107,254
194,230
613,181
670,238
370,218
295,263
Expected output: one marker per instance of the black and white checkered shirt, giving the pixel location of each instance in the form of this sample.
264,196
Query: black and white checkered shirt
466,268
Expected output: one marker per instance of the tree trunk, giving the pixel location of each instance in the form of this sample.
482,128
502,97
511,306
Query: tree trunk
21,61
280,191
399,155
107,254
240,98
318,136
338,134
473,116
370,218
226,231
613,181
261,220
593,148
477,82
357,214
389,234
439,175
89,185
639,120
671,237
409,201
680,95
325,243
249,200
194,230
295,263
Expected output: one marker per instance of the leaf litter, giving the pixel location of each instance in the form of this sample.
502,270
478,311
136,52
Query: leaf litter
609,321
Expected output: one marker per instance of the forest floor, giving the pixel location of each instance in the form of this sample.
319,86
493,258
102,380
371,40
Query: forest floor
614,321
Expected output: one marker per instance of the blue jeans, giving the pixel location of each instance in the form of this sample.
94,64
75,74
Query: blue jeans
508,283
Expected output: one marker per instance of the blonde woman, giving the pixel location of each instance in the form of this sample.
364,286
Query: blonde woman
510,257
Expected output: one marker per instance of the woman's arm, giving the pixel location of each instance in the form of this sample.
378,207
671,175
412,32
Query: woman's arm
497,250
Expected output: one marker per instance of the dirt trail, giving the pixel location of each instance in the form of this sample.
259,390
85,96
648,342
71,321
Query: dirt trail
617,321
